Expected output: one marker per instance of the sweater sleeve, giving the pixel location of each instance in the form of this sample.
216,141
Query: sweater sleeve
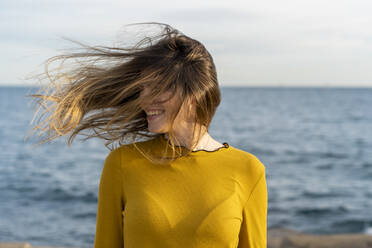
109,223
253,231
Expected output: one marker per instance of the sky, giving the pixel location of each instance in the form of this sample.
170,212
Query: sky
253,43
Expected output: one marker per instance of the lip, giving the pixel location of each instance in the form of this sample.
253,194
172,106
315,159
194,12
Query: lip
149,110
154,109
151,118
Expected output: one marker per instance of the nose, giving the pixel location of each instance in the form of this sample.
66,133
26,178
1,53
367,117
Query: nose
144,94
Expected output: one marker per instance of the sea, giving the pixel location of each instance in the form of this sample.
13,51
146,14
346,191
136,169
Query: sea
315,142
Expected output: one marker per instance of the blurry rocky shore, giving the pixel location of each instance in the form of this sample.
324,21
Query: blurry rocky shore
277,238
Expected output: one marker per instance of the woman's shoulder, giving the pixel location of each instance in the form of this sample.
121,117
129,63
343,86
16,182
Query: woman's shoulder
248,167
247,161
129,150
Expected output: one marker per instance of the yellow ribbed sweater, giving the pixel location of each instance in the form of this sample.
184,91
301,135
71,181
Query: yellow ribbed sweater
206,199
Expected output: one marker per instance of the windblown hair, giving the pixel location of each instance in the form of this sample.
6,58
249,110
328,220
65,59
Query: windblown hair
101,93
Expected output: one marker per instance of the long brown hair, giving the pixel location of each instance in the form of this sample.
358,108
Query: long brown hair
101,91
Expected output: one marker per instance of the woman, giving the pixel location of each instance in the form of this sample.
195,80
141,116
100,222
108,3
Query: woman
180,187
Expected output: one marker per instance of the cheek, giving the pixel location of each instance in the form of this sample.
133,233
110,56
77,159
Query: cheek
183,114
170,109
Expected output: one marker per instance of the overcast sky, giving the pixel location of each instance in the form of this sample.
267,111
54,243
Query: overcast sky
253,43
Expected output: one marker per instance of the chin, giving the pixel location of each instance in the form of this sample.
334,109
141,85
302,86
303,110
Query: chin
156,129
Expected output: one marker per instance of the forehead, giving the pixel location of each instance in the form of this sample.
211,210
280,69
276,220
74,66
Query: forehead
150,87
165,95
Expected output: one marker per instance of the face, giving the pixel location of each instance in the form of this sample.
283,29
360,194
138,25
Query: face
160,109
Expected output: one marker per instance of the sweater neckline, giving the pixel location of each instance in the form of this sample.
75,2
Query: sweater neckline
225,146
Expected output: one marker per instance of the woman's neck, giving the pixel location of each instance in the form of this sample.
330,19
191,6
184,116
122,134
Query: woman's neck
206,142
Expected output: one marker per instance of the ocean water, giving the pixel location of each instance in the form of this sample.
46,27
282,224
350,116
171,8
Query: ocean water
316,144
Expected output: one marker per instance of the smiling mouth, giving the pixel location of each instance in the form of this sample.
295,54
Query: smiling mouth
154,116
